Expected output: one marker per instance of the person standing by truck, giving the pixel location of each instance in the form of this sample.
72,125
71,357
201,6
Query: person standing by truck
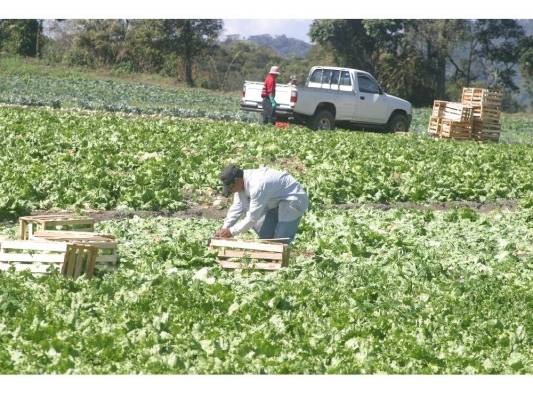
268,94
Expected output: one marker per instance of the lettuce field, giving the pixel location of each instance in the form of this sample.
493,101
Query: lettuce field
416,256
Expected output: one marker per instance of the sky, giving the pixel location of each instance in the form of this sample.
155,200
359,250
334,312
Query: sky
295,28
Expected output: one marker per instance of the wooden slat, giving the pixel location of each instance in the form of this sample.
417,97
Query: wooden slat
34,245
250,254
253,245
33,268
71,263
37,258
259,266
82,254
73,235
91,263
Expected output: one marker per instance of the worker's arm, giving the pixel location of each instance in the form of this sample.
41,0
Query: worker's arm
234,212
258,202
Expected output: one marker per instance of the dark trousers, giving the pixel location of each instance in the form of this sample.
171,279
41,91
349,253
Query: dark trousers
273,228
268,111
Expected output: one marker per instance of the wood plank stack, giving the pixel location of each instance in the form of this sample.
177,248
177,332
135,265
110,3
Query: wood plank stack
450,120
476,117
256,254
486,106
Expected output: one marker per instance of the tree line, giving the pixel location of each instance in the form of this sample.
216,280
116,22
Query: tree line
419,60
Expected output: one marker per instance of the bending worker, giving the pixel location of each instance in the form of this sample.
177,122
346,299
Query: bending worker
268,94
272,203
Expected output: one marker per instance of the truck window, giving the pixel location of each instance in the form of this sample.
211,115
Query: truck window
345,79
335,77
326,78
316,77
366,85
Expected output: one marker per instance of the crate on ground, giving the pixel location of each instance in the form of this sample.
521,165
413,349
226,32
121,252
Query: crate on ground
106,245
30,224
456,130
445,128
72,260
256,254
452,111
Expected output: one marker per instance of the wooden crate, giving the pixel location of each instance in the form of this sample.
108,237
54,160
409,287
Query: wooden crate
38,256
444,128
486,104
29,224
452,111
485,131
256,254
106,245
481,97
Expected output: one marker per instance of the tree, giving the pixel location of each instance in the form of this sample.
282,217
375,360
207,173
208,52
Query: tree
493,48
526,65
21,36
348,40
188,39
97,41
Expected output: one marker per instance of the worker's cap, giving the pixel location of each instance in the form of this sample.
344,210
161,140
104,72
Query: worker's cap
228,176
274,70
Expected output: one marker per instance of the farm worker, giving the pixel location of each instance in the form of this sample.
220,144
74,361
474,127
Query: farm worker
271,201
268,94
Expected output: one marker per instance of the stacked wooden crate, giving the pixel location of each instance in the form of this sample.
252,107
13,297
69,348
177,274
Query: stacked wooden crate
451,120
486,106
476,117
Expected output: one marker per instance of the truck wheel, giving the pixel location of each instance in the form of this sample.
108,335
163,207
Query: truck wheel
322,120
398,122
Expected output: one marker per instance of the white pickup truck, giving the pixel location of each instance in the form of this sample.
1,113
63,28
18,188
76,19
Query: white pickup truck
334,95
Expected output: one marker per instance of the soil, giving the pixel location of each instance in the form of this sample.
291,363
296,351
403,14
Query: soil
210,212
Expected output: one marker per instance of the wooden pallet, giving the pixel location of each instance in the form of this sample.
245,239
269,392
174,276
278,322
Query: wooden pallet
29,224
256,254
106,245
38,256
452,111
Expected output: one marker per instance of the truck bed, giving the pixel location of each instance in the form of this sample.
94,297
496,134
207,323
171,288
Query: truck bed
252,100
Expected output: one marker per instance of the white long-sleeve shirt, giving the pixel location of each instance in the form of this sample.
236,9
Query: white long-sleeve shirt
266,189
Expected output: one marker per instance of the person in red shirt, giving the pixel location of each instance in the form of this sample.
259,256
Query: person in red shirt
268,94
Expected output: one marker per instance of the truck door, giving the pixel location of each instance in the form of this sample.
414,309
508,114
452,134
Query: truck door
371,103
346,99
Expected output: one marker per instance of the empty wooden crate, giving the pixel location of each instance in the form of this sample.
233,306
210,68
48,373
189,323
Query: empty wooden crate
256,254
452,111
106,245
38,256
30,224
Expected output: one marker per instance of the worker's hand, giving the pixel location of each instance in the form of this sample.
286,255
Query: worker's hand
273,101
223,233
